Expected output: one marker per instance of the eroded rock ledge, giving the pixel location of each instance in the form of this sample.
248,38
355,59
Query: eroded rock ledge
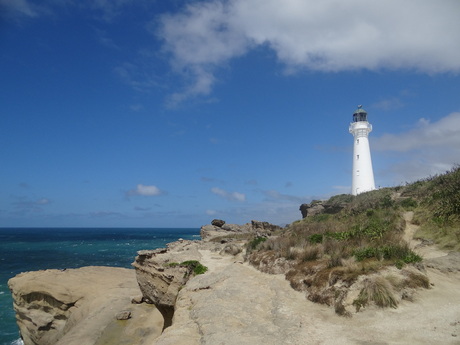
161,274
81,307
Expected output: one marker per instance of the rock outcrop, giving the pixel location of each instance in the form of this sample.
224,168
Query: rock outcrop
318,207
220,228
160,275
81,307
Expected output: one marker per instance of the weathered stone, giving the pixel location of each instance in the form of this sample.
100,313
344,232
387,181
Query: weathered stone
231,249
308,210
137,300
232,227
208,232
264,226
76,306
123,315
160,276
318,207
218,222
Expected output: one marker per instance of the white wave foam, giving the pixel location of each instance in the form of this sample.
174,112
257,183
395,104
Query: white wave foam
17,342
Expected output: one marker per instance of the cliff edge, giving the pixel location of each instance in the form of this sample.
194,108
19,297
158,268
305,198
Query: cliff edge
85,306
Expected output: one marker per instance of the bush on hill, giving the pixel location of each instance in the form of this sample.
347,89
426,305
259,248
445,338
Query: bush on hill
365,237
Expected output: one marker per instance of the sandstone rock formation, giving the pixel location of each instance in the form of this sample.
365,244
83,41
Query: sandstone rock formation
318,207
161,273
81,306
221,228
160,276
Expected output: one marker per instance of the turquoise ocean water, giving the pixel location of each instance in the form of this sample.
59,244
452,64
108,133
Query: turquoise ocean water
31,249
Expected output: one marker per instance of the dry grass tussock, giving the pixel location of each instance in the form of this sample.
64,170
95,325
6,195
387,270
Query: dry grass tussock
378,290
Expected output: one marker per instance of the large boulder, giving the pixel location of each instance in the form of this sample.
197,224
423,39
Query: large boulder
311,209
161,276
258,228
318,207
80,306
218,222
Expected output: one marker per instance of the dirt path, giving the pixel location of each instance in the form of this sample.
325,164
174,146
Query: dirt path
425,251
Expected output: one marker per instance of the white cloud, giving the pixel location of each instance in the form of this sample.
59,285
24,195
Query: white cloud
42,201
15,8
328,35
145,191
211,212
388,104
443,134
24,205
275,195
234,196
428,149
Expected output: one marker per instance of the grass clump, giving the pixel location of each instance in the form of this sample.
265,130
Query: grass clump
399,254
378,290
252,245
194,265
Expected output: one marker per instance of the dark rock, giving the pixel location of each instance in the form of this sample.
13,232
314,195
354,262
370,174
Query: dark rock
315,207
318,207
124,315
218,222
264,226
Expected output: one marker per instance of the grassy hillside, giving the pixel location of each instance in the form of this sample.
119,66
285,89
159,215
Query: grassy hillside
327,253
437,208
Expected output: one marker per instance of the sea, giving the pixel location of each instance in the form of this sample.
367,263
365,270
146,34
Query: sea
32,249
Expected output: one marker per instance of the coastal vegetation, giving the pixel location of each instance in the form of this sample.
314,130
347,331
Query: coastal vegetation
193,266
363,240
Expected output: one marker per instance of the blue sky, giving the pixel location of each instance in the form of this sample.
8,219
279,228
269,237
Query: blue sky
173,113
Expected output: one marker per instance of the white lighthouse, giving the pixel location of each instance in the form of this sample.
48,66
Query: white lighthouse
363,175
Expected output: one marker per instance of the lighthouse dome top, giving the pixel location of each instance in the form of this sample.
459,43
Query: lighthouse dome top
360,114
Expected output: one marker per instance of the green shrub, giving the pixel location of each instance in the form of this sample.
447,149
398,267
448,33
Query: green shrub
255,242
365,253
321,217
340,199
195,265
172,264
408,203
315,238
395,252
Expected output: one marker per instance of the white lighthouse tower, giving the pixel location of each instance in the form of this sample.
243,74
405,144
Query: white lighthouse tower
363,175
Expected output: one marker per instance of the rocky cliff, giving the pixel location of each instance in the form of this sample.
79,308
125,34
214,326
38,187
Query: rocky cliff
162,273
84,306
